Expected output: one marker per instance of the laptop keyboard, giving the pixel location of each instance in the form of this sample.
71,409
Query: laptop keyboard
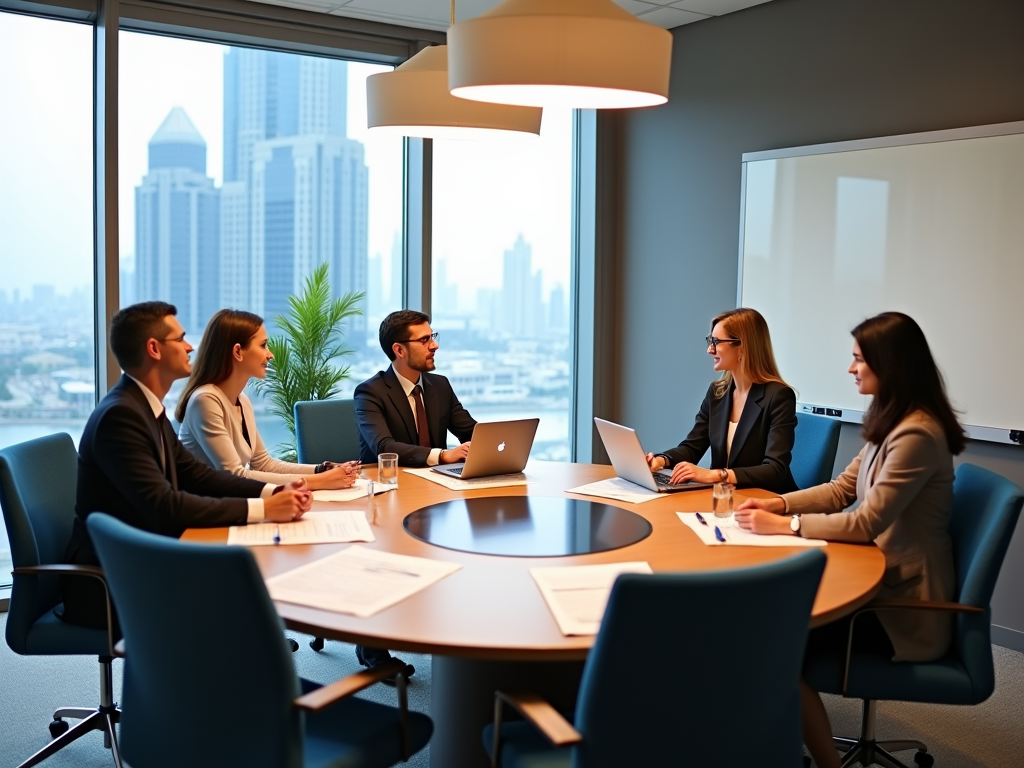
455,470
661,482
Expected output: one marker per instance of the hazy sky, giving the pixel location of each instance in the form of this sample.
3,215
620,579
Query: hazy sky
485,194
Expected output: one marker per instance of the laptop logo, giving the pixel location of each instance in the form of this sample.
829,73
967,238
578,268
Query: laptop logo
501,446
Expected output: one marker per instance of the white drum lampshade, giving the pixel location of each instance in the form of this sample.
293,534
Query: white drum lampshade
585,54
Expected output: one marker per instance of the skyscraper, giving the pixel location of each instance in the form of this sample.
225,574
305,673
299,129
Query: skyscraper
522,308
177,225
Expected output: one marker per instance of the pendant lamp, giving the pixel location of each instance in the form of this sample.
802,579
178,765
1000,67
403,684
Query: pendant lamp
585,54
413,100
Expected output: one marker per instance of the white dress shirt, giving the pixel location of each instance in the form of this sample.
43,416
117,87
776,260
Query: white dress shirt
434,458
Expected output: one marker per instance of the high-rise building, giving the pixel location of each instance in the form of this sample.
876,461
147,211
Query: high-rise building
177,225
522,307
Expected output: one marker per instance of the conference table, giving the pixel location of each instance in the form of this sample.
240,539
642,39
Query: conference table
487,625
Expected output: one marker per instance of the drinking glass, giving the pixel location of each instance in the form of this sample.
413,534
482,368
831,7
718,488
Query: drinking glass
387,470
721,499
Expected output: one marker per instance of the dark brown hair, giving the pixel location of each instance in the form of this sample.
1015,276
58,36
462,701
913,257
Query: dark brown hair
895,349
395,327
133,326
213,360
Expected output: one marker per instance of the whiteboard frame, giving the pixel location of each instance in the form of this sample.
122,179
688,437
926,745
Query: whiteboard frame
987,434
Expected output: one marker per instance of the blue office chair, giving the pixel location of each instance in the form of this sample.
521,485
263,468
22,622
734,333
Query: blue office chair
985,511
37,493
326,430
737,640
814,449
189,703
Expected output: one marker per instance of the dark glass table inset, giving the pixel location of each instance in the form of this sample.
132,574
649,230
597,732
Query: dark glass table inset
527,526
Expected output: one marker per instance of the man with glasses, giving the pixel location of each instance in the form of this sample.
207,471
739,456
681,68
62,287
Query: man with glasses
131,464
406,409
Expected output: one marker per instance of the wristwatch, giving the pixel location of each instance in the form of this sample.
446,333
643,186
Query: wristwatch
723,475
794,524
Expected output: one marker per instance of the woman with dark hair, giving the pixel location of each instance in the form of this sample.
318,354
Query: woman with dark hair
217,422
748,417
903,479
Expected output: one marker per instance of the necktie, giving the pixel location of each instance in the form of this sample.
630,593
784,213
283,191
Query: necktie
170,471
422,433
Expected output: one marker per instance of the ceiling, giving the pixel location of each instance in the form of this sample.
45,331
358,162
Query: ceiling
434,14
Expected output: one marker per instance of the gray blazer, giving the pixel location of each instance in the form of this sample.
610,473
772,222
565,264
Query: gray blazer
905,490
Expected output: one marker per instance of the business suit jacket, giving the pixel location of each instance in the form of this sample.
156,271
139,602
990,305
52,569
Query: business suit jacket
386,423
121,472
762,446
905,489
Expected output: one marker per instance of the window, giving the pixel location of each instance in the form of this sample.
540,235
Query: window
501,270
46,233
243,169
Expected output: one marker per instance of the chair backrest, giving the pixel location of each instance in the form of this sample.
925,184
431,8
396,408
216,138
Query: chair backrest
985,511
814,449
326,430
187,699
37,492
685,661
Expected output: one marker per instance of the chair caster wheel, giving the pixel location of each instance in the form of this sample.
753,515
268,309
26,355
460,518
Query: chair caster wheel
317,643
58,727
924,760
292,644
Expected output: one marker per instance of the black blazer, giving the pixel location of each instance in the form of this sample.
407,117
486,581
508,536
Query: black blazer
386,423
762,445
120,472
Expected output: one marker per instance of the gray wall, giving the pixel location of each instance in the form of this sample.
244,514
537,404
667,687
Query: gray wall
783,74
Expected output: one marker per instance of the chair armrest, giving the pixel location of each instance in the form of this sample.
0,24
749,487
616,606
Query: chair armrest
539,713
93,572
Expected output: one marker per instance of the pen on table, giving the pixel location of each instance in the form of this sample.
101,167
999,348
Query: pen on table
719,535
700,518
277,534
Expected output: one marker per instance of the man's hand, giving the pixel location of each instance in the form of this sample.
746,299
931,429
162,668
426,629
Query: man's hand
452,455
288,502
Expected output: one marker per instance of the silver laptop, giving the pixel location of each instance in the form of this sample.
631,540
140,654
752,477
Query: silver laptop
630,463
498,448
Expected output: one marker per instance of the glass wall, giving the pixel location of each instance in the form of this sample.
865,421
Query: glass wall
241,170
46,232
502,256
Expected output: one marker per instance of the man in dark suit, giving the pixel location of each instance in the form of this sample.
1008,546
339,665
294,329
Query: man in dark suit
131,464
406,409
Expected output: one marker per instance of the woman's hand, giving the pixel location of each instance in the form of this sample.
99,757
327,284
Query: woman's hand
655,462
685,472
335,476
763,516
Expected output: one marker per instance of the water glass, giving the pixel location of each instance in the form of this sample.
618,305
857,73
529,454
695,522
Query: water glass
721,499
387,470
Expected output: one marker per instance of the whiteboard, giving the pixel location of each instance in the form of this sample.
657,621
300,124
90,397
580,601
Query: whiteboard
929,224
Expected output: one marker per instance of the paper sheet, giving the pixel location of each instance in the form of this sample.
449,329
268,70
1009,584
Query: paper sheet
359,490
736,536
359,581
342,525
455,484
577,594
618,489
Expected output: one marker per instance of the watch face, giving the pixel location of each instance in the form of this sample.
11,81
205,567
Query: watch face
794,524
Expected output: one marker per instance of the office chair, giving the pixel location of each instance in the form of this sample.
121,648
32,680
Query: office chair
37,493
985,510
814,449
737,643
230,704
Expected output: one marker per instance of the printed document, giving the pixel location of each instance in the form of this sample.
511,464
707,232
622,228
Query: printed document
360,490
455,484
358,581
618,489
736,536
335,526
577,594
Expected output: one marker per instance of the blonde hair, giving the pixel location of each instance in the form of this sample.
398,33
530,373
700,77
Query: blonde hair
757,360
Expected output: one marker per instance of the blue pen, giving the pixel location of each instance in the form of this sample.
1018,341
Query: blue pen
701,518
719,535
277,534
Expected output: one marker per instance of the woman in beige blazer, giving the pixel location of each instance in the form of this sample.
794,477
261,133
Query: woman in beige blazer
217,422
903,479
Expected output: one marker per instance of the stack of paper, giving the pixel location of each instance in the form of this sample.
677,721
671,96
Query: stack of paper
359,581
735,535
618,489
343,525
455,484
577,594
359,490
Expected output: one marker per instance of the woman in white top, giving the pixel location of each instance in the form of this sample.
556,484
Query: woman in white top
217,422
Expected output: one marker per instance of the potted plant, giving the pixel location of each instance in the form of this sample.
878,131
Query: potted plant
307,352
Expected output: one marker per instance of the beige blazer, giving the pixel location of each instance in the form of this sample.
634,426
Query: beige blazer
212,432
905,490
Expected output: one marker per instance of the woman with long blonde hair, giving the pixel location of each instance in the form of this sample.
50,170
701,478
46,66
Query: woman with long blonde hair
748,417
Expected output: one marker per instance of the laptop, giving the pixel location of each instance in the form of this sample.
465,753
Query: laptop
630,463
498,448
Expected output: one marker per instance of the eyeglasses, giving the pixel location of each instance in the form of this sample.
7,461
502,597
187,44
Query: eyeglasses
173,338
713,342
424,340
